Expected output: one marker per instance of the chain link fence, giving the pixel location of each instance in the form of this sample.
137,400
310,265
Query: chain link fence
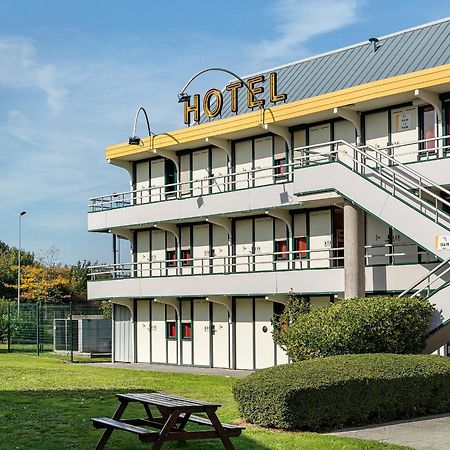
72,329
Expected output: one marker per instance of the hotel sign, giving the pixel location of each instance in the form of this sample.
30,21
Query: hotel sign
213,99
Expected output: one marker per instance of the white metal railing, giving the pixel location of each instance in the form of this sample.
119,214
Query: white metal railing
399,180
422,149
255,262
419,290
245,179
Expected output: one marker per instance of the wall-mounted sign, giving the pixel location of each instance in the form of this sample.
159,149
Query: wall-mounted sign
213,98
402,121
443,242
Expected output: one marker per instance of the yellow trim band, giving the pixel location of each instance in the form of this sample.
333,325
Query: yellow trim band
364,92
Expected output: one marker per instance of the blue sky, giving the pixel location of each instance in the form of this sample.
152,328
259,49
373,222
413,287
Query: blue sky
72,75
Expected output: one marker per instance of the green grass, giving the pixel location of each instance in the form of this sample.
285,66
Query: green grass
46,404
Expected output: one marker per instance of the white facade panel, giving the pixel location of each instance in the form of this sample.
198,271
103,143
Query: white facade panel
158,252
243,162
299,141
244,244
185,174
201,248
158,180
376,129
143,253
220,337
244,333
200,172
320,238
319,134
143,331
158,333
263,243
220,248
263,158
142,182
264,345
201,333
345,131
219,170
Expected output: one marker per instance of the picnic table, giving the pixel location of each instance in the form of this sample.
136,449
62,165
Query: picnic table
174,414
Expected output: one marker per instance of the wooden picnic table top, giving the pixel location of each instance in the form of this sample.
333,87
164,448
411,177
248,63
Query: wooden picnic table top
168,401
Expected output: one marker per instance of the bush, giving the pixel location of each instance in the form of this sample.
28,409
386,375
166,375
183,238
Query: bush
338,391
362,325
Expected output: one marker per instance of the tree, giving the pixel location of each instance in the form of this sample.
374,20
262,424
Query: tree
78,274
49,285
8,268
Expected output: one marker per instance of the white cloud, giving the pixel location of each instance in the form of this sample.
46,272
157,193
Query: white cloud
297,21
20,69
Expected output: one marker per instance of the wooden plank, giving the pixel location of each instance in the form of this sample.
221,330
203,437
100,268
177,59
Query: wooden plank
105,422
198,435
204,421
107,433
165,400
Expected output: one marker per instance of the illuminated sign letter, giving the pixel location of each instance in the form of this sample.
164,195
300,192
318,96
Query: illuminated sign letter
195,108
207,102
233,88
252,91
274,96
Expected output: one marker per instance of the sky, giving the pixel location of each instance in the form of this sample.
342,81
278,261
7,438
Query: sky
72,75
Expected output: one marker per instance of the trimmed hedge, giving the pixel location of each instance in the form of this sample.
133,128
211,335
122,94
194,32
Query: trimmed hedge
346,390
360,325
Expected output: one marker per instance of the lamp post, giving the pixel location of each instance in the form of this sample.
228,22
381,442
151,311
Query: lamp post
134,140
22,213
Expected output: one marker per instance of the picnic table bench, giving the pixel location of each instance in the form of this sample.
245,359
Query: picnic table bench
175,414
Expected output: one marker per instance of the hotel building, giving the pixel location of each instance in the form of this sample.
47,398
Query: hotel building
326,177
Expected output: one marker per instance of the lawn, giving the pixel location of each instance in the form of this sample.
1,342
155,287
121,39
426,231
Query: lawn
46,403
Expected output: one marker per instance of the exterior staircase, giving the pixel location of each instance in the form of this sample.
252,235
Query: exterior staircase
396,194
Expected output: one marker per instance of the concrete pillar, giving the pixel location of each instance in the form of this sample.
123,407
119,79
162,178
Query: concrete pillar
354,252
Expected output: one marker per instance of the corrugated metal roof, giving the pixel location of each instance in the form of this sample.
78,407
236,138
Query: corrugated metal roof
404,52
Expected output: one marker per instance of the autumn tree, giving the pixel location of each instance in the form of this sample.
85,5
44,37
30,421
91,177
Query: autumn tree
48,285
8,268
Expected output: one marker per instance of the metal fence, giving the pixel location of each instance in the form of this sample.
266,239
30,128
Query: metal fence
72,329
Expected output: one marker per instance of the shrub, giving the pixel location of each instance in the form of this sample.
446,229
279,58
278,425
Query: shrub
347,390
362,325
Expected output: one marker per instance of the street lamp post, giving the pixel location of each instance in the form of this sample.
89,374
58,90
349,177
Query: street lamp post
22,213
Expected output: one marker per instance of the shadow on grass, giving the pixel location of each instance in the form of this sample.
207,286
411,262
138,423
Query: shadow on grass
54,420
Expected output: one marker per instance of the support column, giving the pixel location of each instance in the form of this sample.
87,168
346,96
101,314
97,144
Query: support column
354,251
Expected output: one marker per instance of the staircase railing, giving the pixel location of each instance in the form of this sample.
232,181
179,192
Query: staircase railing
387,176
413,290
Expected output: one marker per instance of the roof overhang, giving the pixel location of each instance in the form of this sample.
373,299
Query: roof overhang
364,97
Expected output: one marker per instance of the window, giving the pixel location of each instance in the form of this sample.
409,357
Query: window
170,177
186,330
186,257
171,258
281,250
171,330
300,247
280,169
427,130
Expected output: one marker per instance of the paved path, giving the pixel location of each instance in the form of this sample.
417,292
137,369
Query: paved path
174,368
428,433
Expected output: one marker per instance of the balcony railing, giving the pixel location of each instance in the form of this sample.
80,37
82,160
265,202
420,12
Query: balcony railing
260,262
246,179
